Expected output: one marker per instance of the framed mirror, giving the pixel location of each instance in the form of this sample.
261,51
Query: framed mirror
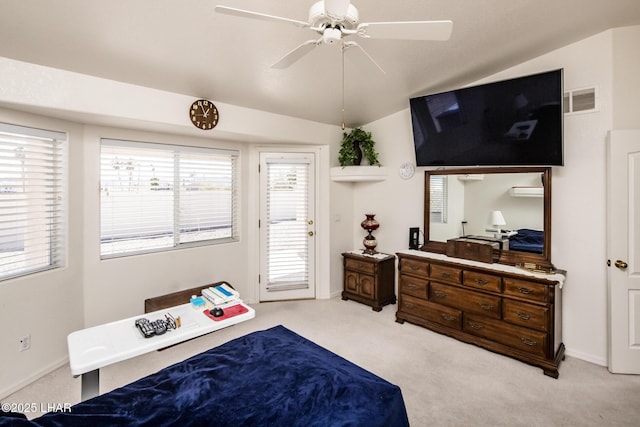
507,206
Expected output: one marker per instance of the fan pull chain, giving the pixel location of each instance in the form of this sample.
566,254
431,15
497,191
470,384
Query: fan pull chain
342,49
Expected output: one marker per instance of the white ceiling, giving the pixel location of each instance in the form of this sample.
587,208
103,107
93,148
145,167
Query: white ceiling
183,46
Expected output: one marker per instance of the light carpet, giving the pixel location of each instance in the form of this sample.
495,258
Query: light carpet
444,382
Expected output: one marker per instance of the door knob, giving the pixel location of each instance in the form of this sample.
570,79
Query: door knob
620,264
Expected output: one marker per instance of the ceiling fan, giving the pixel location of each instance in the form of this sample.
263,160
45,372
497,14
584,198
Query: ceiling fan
337,20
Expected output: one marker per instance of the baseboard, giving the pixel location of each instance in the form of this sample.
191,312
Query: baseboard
586,357
33,377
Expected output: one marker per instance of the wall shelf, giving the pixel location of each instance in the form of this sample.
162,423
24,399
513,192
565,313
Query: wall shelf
358,173
471,177
526,191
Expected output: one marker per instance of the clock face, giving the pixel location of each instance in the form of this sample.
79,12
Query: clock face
204,115
407,170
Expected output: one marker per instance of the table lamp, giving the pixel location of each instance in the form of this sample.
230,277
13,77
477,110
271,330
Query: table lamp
496,219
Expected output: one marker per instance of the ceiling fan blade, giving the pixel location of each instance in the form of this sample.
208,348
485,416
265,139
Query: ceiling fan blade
260,16
409,30
297,53
336,8
349,44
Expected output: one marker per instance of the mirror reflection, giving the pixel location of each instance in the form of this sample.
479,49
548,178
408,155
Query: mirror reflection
508,206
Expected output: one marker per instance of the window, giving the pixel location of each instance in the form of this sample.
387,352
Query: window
438,196
159,197
32,169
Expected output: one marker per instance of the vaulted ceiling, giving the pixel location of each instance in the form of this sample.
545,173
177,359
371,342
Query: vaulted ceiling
184,46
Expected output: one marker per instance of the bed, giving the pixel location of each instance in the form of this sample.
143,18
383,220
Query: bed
527,240
273,377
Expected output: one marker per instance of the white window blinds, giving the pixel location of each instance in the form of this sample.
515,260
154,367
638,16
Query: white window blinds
159,197
287,215
438,196
32,176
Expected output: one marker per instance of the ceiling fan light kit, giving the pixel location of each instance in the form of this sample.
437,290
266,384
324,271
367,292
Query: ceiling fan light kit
336,8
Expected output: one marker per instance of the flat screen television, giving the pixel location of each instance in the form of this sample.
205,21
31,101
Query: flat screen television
515,122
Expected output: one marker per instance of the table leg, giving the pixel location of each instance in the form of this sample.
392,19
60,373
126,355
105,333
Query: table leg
90,384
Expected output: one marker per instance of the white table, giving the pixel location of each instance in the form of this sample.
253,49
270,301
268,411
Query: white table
93,348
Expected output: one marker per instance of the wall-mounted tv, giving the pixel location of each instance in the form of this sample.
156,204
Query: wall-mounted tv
515,122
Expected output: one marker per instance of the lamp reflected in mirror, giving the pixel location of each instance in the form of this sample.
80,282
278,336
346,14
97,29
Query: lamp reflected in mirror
496,219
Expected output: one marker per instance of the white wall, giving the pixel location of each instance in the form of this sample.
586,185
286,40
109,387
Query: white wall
492,193
89,291
116,288
609,61
626,66
46,305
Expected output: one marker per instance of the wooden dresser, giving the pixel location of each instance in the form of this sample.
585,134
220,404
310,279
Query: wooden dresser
498,307
369,279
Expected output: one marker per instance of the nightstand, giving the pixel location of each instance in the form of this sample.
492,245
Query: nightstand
369,279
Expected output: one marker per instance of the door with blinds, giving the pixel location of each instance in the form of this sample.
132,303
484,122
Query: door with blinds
287,231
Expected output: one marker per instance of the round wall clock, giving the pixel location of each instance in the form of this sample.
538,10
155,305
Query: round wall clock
406,170
203,114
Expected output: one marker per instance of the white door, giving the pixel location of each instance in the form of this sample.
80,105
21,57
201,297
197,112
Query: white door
287,230
623,251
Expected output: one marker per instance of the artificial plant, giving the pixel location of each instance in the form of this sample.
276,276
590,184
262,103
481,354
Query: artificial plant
354,141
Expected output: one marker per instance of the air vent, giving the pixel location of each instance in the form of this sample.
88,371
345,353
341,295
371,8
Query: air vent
580,101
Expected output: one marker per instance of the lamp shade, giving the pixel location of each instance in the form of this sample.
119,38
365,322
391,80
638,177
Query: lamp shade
496,218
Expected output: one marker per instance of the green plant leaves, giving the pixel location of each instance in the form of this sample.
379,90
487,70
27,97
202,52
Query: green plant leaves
347,153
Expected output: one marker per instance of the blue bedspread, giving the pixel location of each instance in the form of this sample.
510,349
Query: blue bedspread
267,378
527,241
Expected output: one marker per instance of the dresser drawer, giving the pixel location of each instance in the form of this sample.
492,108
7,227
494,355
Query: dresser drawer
530,341
361,266
523,314
432,312
413,286
525,289
450,274
417,268
467,301
487,282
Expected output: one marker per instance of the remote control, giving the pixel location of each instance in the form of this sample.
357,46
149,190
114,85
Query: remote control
159,326
145,327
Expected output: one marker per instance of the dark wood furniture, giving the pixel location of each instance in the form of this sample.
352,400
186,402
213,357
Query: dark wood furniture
369,279
175,298
493,306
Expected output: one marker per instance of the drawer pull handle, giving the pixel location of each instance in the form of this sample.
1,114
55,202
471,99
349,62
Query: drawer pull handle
529,342
485,306
525,291
409,305
524,316
412,286
440,294
414,267
448,317
481,282
445,275
475,325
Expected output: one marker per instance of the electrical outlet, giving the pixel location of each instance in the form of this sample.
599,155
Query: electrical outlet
25,342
